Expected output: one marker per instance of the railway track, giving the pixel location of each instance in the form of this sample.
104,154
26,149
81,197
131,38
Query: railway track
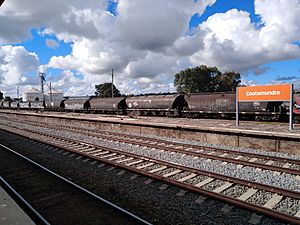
275,202
273,163
52,199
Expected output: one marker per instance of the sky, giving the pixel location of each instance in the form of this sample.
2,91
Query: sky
146,42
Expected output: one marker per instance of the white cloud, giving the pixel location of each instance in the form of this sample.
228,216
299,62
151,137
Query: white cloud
52,43
147,42
233,42
15,63
71,85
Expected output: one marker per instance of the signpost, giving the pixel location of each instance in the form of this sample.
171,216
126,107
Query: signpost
281,92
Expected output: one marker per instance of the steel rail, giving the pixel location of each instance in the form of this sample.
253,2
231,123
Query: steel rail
196,147
25,205
198,154
124,211
270,212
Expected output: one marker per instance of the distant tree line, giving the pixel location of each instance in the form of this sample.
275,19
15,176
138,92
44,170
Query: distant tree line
205,79
192,80
6,98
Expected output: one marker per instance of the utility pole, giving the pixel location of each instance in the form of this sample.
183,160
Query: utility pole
50,87
18,95
112,83
42,76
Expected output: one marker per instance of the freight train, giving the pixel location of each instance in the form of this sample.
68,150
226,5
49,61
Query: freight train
172,105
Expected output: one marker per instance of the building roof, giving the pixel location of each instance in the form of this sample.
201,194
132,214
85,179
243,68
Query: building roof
33,91
54,91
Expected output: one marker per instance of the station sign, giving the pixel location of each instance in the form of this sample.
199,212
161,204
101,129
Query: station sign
280,92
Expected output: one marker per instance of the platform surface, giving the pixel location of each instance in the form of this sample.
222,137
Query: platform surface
273,129
247,127
10,212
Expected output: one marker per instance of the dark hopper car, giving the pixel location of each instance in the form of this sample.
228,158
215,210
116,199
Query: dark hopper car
54,105
108,105
75,104
164,105
224,105
37,105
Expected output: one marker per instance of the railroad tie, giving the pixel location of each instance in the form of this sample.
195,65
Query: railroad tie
158,169
187,177
210,153
92,151
273,201
163,187
238,157
227,209
200,199
270,162
117,157
253,160
223,187
109,155
135,162
181,193
124,160
133,177
146,165
121,172
206,181
247,194
172,173
298,214
101,153
149,181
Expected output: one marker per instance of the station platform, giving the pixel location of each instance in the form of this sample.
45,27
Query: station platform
10,212
268,136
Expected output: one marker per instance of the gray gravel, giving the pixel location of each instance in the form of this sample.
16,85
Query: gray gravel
235,191
286,181
213,185
260,198
158,206
289,206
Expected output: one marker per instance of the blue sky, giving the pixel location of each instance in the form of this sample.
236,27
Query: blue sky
146,43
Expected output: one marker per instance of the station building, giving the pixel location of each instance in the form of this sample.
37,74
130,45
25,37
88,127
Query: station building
36,95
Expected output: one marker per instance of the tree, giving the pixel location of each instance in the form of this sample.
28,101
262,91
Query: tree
1,95
205,79
7,98
227,81
104,90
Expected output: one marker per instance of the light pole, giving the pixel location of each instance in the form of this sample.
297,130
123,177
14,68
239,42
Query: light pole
42,76
18,93
50,88
112,83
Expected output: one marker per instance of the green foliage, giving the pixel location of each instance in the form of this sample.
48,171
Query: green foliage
7,98
104,90
205,79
